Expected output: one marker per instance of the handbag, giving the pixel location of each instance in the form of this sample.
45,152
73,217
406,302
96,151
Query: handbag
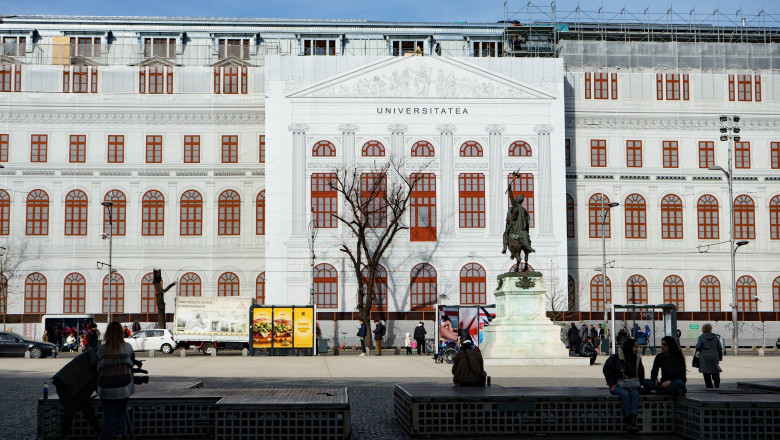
628,383
695,362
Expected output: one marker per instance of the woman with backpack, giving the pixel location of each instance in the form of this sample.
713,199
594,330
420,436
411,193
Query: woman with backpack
115,381
624,373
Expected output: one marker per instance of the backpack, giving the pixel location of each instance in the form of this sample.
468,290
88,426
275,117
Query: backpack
384,330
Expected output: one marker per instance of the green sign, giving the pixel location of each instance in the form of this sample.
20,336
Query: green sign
694,326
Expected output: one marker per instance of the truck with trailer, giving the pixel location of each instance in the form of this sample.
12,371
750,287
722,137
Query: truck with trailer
220,323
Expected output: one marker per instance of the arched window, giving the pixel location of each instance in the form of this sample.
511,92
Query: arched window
636,222
74,294
76,213
191,213
746,294
326,286
422,149
380,287
37,213
671,218
148,300
519,149
708,218
423,287
709,294
471,149
570,216
260,289
229,213
260,213
323,149
674,292
373,149
35,293
597,298
597,207
774,218
572,295
744,218
189,285
636,290
118,212
227,285
776,294
117,297
473,284
5,212
153,213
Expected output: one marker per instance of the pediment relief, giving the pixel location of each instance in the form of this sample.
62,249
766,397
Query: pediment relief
84,61
156,62
422,77
5,59
231,61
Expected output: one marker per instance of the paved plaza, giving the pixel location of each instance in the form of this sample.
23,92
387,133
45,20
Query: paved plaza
370,381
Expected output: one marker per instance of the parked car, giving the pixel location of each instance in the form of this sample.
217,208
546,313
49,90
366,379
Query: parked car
12,344
777,344
153,339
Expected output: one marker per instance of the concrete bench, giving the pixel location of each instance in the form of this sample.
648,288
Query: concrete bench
425,410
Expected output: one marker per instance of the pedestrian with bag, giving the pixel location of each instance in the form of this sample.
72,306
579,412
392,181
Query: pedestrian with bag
671,362
361,334
707,357
115,381
419,337
624,373
379,333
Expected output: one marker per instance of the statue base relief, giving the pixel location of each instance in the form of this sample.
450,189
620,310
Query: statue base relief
521,333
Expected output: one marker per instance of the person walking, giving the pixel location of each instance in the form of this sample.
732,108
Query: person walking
601,334
92,338
642,337
624,373
593,333
115,381
710,354
583,331
75,383
419,337
362,332
468,367
379,333
671,362
574,337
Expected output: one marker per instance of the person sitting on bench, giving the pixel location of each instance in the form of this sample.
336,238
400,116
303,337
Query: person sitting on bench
468,369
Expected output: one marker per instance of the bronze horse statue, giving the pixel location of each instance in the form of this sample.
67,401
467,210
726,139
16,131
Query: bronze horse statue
516,234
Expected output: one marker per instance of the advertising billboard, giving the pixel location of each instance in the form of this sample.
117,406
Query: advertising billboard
303,336
262,326
212,317
283,327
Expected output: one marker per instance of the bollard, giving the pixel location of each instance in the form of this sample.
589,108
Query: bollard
151,353
397,351
761,351
214,352
336,351
183,352
245,352
27,354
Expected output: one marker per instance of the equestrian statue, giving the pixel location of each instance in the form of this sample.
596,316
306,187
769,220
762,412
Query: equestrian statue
516,236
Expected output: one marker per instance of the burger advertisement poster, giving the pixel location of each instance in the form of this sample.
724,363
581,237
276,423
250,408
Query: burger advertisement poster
278,327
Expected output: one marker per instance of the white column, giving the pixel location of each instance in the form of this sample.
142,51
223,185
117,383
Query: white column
298,178
348,144
397,139
447,218
496,181
543,199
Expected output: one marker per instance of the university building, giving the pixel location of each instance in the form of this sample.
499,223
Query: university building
215,140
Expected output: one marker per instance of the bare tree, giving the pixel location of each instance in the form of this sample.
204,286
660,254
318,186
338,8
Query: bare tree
557,297
376,201
159,296
13,255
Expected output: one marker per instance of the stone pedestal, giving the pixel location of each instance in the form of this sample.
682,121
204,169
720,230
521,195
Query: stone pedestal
521,333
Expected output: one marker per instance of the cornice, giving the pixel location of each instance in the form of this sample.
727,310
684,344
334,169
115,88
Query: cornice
231,118
709,123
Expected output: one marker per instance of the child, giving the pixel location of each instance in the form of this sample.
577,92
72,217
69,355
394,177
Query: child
408,344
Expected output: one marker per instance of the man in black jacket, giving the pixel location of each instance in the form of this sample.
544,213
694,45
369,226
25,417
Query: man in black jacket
75,383
419,337
92,338
574,337
379,333
468,368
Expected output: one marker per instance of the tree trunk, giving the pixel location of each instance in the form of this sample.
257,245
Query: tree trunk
159,296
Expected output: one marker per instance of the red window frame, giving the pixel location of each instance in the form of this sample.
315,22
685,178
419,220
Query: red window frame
148,297
423,287
116,148
324,200
636,220
372,149
153,214
228,285
155,80
233,47
596,205
520,149
732,88
634,154
190,285
261,146
670,154
614,85
524,184
76,207
74,294
10,78
706,154
598,152
380,287
422,205
776,294
674,292
587,85
118,212
601,85
708,217
570,219
598,299
742,155
35,287
686,87
636,290
673,87
774,218
323,149
15,46
154,148
229,209
744,87
744,218
192,149
471,200
757,88
260,289
260,213
746,292
326,286
37,222
774,155
423,149
5,213
229,149
78,148
191,213
567,152
659,86
471,149
160,47
39,144
671,218
117,294
4,141
473,285
373,195
234,80
80,80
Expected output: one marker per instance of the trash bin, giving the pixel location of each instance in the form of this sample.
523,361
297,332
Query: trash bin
604,346
322,345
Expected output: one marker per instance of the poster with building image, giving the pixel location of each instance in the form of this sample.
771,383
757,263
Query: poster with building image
212,316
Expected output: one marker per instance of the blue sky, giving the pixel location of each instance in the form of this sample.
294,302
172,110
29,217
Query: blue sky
396,10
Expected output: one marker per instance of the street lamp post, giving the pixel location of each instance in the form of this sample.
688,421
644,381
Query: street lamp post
604,213
312,237
109,236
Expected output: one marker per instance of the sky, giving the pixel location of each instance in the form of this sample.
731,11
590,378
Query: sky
474,11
